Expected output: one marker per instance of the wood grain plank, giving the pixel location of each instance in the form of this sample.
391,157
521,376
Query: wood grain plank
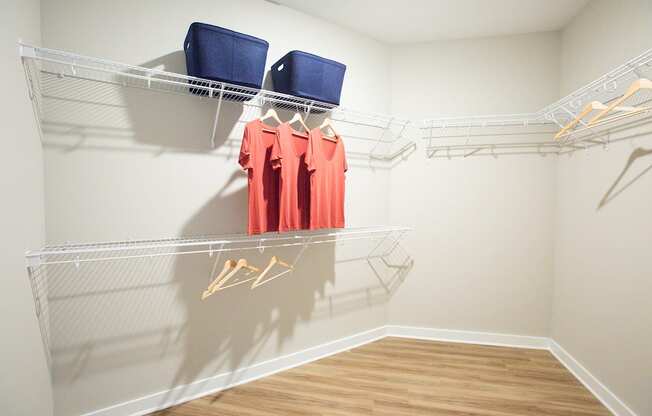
401,377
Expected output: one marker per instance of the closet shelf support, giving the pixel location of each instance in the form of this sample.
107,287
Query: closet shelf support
217,116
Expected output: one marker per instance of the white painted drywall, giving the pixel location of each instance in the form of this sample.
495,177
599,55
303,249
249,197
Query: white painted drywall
603,234
25,388
482,243
428,21
125,163
134,164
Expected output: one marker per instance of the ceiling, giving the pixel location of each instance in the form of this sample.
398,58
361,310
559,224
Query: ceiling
411,21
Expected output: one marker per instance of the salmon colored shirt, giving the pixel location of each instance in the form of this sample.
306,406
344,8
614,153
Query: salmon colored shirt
326,161
255,154
289,156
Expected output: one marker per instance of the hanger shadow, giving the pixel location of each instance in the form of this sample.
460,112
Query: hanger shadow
612,192
618,186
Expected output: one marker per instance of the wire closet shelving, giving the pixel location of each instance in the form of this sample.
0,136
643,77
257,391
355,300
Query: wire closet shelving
78,254
383,240
40,62
533,133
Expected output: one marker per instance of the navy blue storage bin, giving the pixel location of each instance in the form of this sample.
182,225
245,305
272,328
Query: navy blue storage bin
309,76
223,55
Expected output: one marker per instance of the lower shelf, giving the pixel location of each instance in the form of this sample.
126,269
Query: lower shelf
118,250
73,297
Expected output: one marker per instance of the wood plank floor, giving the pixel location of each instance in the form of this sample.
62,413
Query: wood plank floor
401,377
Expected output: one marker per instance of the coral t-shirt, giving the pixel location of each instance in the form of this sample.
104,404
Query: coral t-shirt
255,154
326,161
289,156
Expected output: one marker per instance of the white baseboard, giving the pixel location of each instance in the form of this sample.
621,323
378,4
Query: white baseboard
599,390
184,393
211,385
469,337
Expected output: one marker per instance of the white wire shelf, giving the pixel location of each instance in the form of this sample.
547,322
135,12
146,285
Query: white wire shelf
532,133
121,250
52,64
47,265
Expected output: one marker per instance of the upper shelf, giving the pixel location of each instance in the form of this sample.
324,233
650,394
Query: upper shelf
535,131
56,64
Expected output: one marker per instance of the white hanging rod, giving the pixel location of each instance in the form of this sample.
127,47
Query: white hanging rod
69,64
336,114
587,133
607,83
253,98
466,134
65,64
71,253
464,151
481,121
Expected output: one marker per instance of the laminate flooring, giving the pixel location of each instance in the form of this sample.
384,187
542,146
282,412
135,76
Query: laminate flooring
401,377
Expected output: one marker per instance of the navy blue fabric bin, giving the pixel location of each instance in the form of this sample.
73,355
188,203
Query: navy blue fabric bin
309,76
223,55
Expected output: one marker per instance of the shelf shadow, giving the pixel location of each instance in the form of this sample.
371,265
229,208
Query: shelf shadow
182,122
131,313
127,314
146,312
83,114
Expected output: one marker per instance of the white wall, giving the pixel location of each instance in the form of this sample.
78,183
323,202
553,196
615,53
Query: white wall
601,313
482,243
129,163
25,375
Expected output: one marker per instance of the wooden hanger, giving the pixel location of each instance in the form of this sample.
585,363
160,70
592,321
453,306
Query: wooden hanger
298,117
271,113
221,285
328,123
588,109
639,84
274,260
228,265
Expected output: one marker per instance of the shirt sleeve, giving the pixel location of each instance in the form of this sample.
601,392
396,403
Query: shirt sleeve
276,156
245,150
310,154
346,164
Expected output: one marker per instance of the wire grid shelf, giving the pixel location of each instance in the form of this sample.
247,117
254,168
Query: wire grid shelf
119,250
532,133
47,277
51,64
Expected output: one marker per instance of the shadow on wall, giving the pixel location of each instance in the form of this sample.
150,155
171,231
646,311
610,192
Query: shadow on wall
163,122
617,187
132,314
639,155
129,315
77,110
